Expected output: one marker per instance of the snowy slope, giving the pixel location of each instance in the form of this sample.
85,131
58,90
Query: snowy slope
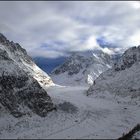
20,93
20,57
81,68
123,79
77,117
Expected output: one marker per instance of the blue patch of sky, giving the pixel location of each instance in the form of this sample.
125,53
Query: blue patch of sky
103,43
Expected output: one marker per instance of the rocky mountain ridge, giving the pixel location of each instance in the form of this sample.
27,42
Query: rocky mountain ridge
81,68
123,79
19,55
19,89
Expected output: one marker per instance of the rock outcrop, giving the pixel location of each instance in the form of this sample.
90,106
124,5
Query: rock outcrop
81,68
20,92
123,79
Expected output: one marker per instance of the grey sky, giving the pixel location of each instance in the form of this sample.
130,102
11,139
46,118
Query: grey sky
52,29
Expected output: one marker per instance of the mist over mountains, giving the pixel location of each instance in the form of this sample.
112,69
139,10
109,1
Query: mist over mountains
48,64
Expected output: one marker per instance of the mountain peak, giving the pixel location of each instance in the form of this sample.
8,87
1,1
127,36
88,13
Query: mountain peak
123,78
130,56
80,66
3,39
21,80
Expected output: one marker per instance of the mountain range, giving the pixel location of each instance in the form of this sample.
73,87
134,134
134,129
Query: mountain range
123,78
90,95
82,68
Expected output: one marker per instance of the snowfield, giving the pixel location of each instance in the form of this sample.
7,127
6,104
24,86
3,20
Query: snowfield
77,116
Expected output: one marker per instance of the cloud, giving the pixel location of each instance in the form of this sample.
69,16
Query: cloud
136,4
47,53
108,51
88,44
68,26
134,39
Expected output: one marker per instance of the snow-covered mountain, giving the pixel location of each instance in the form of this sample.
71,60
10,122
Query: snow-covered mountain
123,78
19,81
77,117
19,55
81,68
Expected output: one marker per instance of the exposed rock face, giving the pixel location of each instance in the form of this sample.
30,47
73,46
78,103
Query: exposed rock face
130,57
80,66
123,78
19,55
18,89
17,92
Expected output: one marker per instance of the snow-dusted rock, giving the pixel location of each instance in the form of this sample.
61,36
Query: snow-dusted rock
123,78
24,61
81,68
129,57
19,89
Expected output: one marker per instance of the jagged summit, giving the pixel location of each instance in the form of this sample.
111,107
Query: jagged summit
18,54
81,68
129,57
19,88
124,77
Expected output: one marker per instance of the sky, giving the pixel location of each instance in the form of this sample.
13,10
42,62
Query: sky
52,29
